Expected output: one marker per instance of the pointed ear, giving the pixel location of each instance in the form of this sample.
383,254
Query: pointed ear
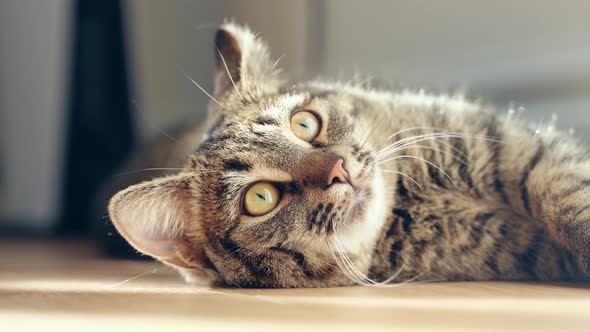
154,217
243,61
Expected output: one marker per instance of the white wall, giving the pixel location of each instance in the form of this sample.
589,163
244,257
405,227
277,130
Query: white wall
33,49
536,53
168,38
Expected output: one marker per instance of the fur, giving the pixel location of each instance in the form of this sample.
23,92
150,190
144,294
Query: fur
440,187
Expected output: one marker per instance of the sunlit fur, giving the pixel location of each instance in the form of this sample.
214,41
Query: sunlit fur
445,189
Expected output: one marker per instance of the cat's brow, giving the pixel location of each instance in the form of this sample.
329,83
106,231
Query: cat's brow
236,165
266,121
324,94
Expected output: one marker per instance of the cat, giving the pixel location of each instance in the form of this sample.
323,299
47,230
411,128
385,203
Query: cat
323,184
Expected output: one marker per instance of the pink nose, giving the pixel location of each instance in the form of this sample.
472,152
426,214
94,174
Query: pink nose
338,173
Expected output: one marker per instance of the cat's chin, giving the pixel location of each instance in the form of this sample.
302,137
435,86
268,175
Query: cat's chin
366,216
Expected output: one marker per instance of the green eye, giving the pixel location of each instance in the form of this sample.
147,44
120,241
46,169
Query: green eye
261,198
305,125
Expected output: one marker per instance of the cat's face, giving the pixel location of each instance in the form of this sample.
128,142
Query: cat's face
282,181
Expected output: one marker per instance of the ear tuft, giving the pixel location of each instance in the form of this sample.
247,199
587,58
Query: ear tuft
244,58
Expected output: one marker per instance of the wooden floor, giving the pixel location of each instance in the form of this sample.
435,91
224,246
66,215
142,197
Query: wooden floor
64,286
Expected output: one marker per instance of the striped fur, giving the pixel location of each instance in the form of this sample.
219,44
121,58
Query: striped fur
491,199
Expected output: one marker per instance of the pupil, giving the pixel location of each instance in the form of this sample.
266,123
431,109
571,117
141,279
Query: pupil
303,125
261,196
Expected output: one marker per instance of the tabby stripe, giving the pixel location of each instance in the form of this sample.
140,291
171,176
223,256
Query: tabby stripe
402,191
528,259
463,166
266,121
476,233
314,215
236,166
435,176
330,225
393,228
581,211
492,259
325,214
407,218
298,257
395,253
496,152
581,186
524,191
251,263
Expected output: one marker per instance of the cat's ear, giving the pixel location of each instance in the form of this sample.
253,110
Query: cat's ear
157,217
243,62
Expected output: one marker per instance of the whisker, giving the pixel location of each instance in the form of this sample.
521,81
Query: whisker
368,132
406,130
132,278
229,75
204,91
409,146
349,262
355,275
427,137
421,159
344,268
404,175
442,134
160,130
278,60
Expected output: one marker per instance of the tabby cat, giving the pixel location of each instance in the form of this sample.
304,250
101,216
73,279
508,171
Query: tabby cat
324,184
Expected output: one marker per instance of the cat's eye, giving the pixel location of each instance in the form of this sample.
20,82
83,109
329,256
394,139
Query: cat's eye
261,198
305,125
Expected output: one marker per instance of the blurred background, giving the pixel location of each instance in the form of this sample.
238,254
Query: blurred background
82,83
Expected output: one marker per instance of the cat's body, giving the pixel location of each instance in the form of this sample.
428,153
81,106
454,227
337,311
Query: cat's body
394,187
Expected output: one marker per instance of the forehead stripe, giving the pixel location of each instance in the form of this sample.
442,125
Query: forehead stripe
266,121
236,165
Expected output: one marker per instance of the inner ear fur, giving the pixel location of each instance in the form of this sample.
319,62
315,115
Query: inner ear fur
153,217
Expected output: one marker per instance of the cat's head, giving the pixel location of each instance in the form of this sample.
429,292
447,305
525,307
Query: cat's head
281,182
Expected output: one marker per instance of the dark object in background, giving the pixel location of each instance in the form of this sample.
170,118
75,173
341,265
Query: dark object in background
100,131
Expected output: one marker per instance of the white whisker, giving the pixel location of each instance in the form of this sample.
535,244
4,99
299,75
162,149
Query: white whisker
410,146
404,175
160,130
406,130
278,60
229,75
355,275
204,91
421,159
132,278
426,137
